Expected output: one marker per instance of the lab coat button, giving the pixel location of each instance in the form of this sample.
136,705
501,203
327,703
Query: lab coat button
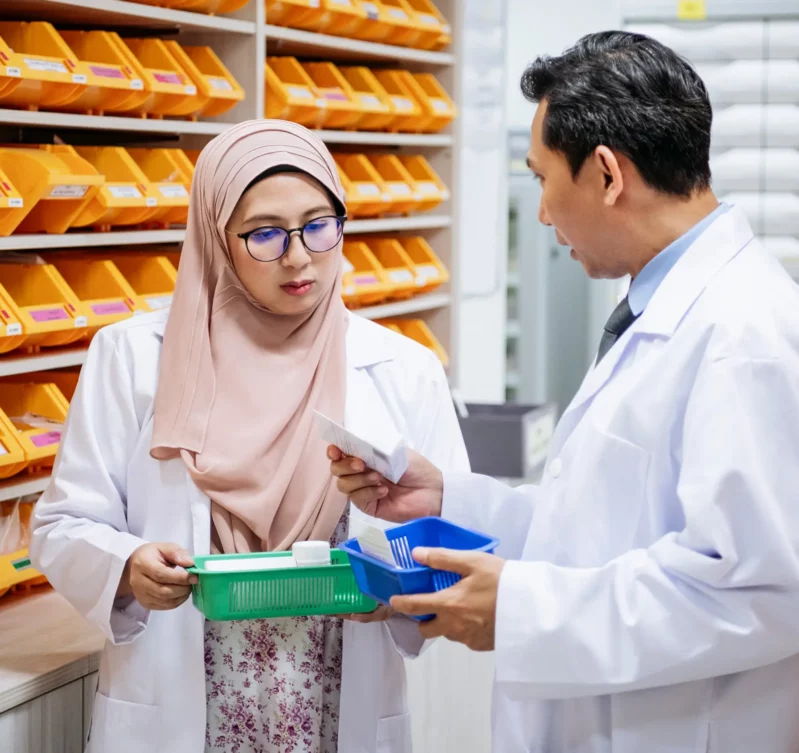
555,467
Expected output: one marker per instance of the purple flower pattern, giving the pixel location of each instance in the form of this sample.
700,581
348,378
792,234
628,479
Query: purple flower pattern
274,686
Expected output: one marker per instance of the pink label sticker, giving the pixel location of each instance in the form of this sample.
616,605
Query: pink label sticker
49,315
99,70
365,280
168,78
104,309
337,96
47,439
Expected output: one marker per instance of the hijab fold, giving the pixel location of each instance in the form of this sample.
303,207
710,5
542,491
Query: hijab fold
238,384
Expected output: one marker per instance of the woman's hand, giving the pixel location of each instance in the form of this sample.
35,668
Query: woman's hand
155,575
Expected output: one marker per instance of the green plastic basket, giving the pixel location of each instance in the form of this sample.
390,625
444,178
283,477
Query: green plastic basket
293,592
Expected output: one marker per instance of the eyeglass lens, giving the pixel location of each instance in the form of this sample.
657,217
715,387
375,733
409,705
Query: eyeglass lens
319,235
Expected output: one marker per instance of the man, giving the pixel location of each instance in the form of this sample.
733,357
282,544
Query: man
647,593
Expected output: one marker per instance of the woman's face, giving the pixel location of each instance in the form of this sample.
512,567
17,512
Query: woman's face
294,283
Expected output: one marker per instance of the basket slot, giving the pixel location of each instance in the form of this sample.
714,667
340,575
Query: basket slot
402,552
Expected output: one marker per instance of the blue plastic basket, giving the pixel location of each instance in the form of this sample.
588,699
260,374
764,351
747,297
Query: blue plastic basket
381,581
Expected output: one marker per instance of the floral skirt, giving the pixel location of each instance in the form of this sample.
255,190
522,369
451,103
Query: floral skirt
274,686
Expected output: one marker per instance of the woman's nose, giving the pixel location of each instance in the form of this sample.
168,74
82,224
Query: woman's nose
296,255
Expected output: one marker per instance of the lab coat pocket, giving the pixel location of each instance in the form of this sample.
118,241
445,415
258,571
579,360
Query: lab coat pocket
394,734
123,727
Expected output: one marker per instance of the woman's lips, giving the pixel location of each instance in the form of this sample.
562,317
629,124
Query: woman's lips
298,289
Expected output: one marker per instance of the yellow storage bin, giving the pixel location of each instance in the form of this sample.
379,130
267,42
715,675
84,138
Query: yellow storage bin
408,113
12,459
290,12
112,85
365,281
398,181
340,17
399,268
203,6
48,73
65,379
38,412
439,109
428,184
170,172
40,299
12,206
373,100
213,80
389,324
152,278
418,330
377,25
126,197
171,90
406,29
55,183
436,31
430,270
291,94
367,194
11,333
104,294
342,107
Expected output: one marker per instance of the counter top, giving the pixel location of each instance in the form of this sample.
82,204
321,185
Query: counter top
44,644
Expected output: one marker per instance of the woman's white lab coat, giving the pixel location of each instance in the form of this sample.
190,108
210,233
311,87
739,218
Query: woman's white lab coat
108,496
654,602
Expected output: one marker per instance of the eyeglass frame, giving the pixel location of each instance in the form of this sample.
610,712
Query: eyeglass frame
342,218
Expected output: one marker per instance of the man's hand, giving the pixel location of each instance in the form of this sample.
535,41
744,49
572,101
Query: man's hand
465,613
381,614
155,575
418,494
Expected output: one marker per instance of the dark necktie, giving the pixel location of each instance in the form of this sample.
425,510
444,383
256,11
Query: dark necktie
621,318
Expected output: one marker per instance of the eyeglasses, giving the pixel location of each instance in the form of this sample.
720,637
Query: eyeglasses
270,243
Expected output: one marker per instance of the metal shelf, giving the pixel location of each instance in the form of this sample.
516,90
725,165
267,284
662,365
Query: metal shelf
87,240
122,13
369,138
299,42
396,224
25,364
411,306
22,486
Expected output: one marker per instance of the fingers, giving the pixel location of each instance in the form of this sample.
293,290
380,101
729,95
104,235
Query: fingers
333,453
347,466
175,554
381,614
418,605
153,595
452,561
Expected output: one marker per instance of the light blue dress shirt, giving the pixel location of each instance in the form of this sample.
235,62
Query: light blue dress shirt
643,287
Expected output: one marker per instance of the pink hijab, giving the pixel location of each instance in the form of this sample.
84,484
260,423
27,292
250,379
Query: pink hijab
238,384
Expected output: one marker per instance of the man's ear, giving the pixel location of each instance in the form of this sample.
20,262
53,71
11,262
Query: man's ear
610,169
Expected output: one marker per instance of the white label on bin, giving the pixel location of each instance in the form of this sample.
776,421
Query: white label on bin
79,78
314,3
387,197
68,192
427,187
403,189
349,290
51,66
402,103
446,28
151,201
3,450
428,19
348,3
159,302
440,105
13,72
368,189
81,321
427,272
173,191
124,192
220,83
401,275
14,329
190,89
300,91
137,84
15,203
348,265
321,104
371,11
398,13
371,100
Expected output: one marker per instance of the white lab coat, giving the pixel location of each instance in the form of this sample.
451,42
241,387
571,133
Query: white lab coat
652,603
108,496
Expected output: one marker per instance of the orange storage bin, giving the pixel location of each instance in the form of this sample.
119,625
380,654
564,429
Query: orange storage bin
398,181
201,6
374,104
12,206
408,113
170,172
436,31
389,324
152,278
367,194
438,108
38,297
45,72
365,281
65,379
397,264
11,333
406,28
418,330
290,12
428,184
342,18
215,84
430,270
12,455
38,413
126,198
291,94
377,25
342,110
56,184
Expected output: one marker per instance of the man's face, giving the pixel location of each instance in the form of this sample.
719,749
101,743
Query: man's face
575,207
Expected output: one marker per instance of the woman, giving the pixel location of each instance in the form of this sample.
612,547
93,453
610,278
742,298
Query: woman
195,434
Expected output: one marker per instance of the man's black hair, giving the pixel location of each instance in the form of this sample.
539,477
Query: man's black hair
631,94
